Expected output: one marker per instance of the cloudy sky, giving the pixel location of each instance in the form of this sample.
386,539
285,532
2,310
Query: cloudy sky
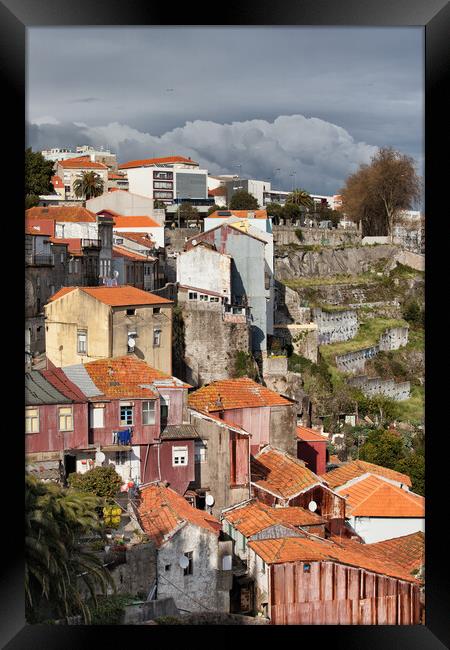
311,101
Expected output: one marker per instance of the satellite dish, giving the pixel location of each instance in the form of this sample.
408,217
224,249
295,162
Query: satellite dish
131,342
183,562
312,505
100,457
116,274
209,500
194,242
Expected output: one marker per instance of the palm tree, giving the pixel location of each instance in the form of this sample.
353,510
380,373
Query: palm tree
301,198
88,186
55,560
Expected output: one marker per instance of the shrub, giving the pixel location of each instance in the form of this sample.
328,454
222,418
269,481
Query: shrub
299,234
108,610
101,481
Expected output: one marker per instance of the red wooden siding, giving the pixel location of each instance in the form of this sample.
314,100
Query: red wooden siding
314,454
334,594
50,438
178,477
239,459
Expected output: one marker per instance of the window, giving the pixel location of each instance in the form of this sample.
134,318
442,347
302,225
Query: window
126,414
156,310
97,417
162,195
203,297
200,452
306,568
162,185
192,295
65,418
131,312
167,567
179,456
156,338
31,420
82,342
263,566
168,175
213,299
188,571
67,188
164,408
148,412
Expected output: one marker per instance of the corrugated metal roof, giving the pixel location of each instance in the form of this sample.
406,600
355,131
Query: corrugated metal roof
178,431
80,377
39,391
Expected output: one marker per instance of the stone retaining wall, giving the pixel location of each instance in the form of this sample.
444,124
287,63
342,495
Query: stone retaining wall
335,326
376,386
285,235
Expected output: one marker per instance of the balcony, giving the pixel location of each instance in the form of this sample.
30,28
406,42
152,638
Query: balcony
91,243
40,260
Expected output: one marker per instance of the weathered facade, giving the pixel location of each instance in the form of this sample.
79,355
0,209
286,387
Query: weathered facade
108,318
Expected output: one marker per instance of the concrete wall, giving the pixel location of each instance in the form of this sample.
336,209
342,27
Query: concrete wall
335,326
274,365
377,386
282,435
393,338
211,341
285,235
370,241
198,591
204,268
144,322
356,361
125,203
414,260
376,529
214,475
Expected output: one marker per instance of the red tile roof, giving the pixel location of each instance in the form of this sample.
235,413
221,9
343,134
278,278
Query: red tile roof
299,549
157,161
235,394
256,516
134,222
40,227
281,474
124,377
162,510
120,251
241,214
76,214
114,176
81,162
218,191
144,239
56,181
73,245
310,435
408,550
121,296
375,497
348,471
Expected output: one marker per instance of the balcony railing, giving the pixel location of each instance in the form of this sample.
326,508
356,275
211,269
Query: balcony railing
40,260
91,243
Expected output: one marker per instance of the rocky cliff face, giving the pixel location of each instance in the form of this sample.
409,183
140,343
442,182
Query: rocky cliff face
296,263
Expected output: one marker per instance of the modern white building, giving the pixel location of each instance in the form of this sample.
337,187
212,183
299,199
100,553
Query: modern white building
170,180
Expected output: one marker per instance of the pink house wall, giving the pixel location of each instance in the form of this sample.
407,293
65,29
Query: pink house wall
254,420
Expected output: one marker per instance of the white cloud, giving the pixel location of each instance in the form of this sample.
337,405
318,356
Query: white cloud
45,119
322,154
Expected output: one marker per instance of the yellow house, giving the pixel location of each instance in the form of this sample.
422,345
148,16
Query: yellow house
84,324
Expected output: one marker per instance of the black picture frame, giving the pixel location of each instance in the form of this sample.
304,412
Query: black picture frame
15,17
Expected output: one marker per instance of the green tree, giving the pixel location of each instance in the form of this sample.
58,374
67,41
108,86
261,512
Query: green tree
301,198
38,173
413,314
244,365
382,448
275,210
376,193
56,520
214,208
242,200
88,186
413,465
292,212
188,212
102,482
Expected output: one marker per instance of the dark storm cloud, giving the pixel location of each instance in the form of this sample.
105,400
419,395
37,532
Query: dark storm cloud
144,89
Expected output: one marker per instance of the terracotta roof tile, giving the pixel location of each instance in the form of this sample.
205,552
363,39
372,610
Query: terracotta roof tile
241,214
62,383
257,516
125,377
120,251
134,222
161,510
281,474
348,471
40,227
73,245
120,296
81,162
144,239
375,497
299,549
218,191
76,214
309,435
156,161
235,394
56,181
408,550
